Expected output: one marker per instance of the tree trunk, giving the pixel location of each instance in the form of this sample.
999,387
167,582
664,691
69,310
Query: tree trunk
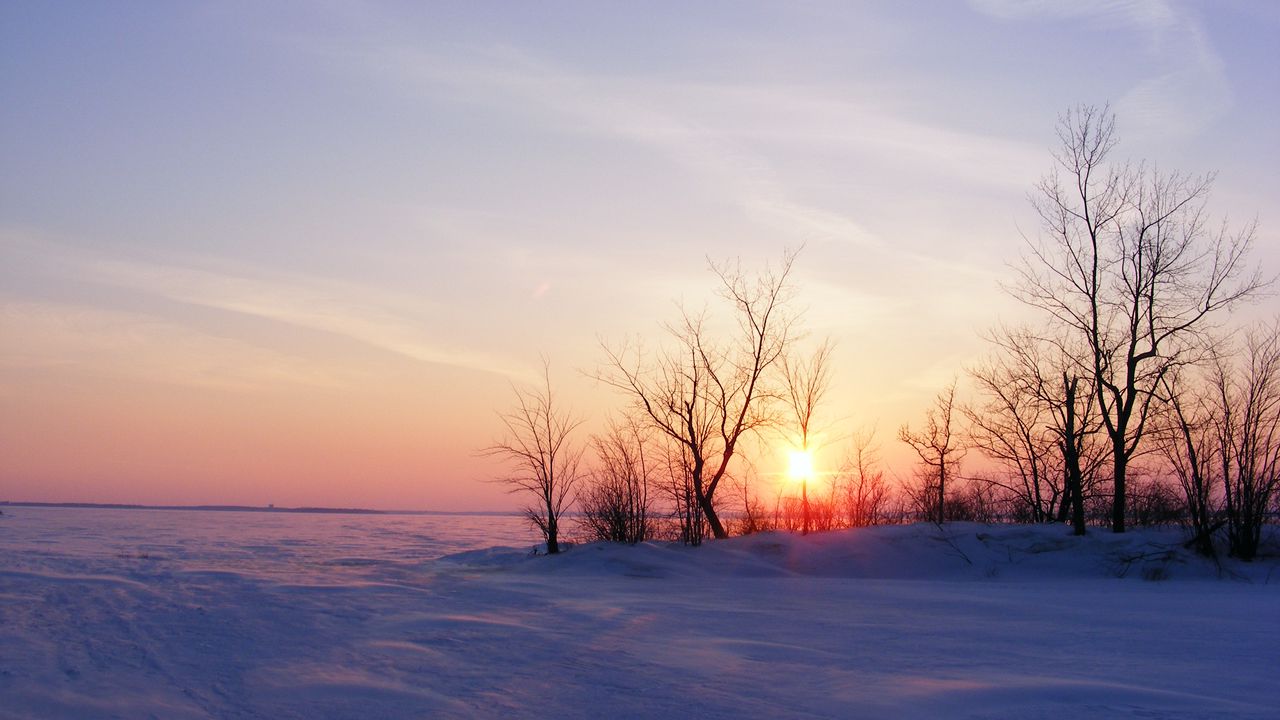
1077,495
1077,507
553,533
1071,456
1064,507
713,520
1118,502
942,492
1073,497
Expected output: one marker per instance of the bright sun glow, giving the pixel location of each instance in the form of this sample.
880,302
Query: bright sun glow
801,465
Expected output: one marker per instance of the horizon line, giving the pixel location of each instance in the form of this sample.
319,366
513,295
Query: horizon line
319,510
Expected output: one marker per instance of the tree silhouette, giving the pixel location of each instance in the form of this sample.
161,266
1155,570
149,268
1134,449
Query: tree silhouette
705,392
938,446
545,463
1127,262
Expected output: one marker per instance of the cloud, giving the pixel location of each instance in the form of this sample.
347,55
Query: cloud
1144,13
731,137
1182,101
1189,97
48,336
371,316
360,314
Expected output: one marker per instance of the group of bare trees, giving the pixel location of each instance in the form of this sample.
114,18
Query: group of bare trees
690,405
705,392
1130,277
1033,420
856,494
1219,431
1125,372
1124,382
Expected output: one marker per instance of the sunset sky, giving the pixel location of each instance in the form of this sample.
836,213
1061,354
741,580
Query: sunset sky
296,253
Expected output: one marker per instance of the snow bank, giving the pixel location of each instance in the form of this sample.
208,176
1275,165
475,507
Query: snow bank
953,552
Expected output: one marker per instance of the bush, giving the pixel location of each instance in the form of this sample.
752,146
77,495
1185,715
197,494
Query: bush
615,503
1152,502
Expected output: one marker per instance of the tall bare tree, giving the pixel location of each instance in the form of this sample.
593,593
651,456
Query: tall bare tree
807,379
938,445
705,392
1128,262
545,462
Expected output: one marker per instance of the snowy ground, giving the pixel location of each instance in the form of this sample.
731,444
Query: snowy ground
137,614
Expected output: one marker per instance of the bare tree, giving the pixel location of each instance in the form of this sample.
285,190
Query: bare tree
807,381
1128,262
1248,430
1186,429
544,461
617,503
866,494
940,451
705,393
1081,458
754,516
1037,422
691,524
1012,427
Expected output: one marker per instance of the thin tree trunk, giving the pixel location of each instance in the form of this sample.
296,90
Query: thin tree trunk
1064,507
942,492
1118,503
804,495
1071,456
1077,495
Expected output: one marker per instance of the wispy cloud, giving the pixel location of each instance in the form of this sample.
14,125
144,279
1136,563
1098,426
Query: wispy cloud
1145,13
371,316
92,341
1185,98
1188,98
733,139
360,314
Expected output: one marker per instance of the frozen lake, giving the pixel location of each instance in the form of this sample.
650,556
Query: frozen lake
172,614
297,546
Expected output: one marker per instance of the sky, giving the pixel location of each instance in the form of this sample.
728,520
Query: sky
298,253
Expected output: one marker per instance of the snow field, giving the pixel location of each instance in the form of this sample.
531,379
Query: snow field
136,614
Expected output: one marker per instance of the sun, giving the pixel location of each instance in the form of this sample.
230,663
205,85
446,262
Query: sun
800,466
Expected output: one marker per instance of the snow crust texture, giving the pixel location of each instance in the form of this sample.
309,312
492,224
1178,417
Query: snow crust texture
151,614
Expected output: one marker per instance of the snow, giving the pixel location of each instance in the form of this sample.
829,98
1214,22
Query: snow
135,614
